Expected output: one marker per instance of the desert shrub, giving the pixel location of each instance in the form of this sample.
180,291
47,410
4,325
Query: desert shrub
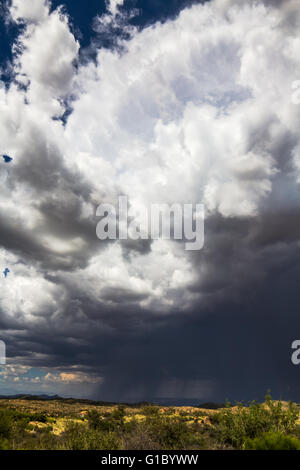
6,423
170,433
272,441
80,437
160,432
138,436
39,417
118,415
109,422
282,420
93,419
150,410
4,444
234,426
12,423
13,429
41,439
199,413
101,423
170,411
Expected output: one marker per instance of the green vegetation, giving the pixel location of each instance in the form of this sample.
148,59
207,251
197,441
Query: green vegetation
236,426
271,425
273,441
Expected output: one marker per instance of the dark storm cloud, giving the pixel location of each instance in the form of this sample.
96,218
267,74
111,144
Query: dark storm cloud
242,349
59,217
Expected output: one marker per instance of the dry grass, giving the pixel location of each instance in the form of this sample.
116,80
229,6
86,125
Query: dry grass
59,408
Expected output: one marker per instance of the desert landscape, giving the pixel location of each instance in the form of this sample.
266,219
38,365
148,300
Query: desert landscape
34,423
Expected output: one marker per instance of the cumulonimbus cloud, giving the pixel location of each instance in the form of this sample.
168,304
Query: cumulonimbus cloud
197,109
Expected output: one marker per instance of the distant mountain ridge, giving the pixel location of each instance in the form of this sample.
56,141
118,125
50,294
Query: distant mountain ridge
155,401
26,396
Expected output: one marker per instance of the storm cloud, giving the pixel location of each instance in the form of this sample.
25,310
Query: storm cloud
195,109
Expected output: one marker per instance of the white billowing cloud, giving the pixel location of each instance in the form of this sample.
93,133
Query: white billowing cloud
25,293
187,116
210,124
112,279
13,372
46,63
29,10
113,5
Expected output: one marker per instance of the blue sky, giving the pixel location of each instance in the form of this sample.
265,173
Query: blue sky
166,102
